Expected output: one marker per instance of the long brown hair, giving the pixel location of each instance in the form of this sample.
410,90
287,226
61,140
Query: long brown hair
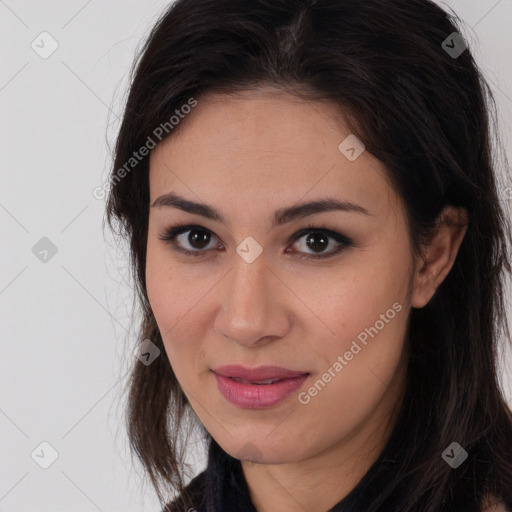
427,114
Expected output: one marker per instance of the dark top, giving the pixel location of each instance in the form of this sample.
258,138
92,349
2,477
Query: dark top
221,487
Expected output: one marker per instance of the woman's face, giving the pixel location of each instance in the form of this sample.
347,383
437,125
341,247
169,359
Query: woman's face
249,296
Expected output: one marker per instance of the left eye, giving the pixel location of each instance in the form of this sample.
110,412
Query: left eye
199,238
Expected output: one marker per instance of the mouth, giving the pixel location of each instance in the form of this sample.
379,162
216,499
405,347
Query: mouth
257,388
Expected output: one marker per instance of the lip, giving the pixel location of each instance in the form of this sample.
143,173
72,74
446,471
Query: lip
258,373
248,395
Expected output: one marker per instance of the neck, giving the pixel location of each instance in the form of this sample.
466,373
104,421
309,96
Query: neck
321,481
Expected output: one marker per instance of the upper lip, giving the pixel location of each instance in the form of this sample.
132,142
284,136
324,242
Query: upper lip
258,373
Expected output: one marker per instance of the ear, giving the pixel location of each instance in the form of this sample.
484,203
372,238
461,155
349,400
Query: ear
439,255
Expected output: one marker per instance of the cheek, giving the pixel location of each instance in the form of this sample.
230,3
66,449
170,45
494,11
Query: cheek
167,305
368,292
367,328
158,291
365,311
165,286
358,376
177,307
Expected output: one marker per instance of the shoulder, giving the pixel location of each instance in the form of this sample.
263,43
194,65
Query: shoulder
192,497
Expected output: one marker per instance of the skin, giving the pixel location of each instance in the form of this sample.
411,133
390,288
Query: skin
247,156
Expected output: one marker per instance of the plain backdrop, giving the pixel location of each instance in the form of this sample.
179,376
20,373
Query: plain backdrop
66,332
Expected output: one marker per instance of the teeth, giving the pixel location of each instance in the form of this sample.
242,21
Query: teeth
268,381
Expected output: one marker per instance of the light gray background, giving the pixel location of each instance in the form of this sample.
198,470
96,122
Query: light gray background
66,322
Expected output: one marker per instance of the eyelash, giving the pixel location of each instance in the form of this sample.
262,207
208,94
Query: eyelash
177,229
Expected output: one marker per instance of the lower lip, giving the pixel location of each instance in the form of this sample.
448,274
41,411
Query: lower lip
257,396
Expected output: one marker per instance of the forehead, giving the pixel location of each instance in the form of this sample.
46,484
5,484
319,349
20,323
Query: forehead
258,123
265,147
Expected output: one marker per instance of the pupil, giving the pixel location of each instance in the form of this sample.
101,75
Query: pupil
323,243
195,239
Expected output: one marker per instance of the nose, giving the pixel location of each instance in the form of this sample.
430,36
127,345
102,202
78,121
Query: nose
253,309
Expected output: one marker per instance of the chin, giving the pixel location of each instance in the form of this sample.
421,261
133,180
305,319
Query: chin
262,451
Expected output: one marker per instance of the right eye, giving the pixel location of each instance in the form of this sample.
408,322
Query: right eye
197,235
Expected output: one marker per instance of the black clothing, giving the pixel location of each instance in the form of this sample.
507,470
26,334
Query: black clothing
221,487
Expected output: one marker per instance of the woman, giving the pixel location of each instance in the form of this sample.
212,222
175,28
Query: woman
319,251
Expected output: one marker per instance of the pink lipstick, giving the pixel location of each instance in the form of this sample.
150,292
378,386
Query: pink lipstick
259,387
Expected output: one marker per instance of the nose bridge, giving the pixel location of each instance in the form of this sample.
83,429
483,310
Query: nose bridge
248,288
247,311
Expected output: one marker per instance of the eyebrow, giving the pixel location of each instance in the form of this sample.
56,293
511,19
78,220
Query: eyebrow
281,216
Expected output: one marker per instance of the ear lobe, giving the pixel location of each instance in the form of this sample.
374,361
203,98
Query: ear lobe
439,255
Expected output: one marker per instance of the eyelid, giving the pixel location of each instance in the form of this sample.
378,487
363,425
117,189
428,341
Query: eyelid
171,232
